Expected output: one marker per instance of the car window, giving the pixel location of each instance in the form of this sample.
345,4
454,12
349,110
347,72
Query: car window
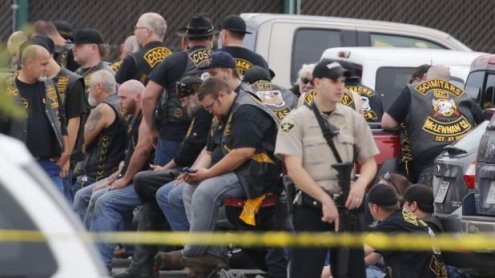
390,81
489,94
308,45
474,83
22,259
386,40
470,142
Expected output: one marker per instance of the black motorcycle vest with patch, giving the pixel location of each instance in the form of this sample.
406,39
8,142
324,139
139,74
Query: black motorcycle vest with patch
372,104
148,58
260,174
280,101
435,117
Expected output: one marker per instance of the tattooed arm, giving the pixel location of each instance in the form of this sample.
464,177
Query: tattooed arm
99,118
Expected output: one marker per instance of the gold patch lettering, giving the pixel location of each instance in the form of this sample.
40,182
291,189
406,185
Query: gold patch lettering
436,84
310,97
156,55
242,65
361,90
200,56
62,85
51,93
447,131
347,99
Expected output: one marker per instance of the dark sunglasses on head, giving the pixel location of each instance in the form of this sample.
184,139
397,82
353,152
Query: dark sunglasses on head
306,81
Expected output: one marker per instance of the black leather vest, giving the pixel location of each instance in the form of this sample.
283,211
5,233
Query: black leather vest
280,101
148,58
108,149
261,173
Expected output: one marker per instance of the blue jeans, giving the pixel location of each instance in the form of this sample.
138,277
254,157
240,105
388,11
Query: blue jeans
169,198
205,202
112,212
84,200
165,151
53,171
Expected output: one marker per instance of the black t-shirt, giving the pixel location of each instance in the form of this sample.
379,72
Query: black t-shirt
245,58
74,99
41,140
129,67
405,264
195,139
214,139
250,127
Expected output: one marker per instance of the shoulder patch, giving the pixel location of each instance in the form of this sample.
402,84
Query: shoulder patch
287,124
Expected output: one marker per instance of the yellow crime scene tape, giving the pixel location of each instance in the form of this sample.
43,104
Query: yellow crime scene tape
404,241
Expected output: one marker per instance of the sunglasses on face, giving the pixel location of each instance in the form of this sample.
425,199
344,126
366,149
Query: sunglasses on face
306,81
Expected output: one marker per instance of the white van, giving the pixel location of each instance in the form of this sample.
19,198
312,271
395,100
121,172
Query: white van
29,201
288,41
388,70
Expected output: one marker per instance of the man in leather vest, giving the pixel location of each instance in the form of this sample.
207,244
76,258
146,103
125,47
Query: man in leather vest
281,101
43,127
432,117
71,90
105,133
149,31
233,30
372,107
89,51
311,164
247,148
169,126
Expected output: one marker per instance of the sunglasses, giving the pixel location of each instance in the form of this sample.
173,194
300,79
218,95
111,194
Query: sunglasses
306,81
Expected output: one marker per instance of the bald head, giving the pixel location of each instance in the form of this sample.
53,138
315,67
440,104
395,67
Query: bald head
130,96
438,72
34,60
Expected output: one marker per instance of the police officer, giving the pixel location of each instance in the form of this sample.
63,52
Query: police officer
310,162
432,118
149,31
372,107
281,101
233,30
172,120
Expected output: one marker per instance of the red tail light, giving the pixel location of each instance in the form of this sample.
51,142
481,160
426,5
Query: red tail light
470,176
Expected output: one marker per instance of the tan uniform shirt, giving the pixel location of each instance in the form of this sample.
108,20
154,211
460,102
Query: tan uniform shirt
300,135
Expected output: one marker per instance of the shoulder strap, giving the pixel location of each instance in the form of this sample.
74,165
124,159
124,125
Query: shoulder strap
328,133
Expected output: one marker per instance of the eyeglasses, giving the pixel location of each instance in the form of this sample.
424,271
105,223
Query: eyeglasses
209,107
306,81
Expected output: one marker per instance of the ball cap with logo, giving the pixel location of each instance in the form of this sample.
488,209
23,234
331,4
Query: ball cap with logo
234,23
331,69
220,59
188,86
200,26
88,36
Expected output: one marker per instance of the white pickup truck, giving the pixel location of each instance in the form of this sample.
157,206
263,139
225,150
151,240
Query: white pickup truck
288,41
388,70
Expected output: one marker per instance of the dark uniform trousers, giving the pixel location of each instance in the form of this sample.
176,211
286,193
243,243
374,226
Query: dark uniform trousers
308,262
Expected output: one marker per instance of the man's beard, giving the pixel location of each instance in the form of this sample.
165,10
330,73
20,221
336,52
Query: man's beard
92,101
42,78
193,108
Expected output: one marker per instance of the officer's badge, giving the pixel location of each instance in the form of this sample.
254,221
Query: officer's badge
287,124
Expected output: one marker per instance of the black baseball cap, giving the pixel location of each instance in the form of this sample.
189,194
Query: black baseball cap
422,195
234,23
256,73
88,36
40,40
188,86
220,59
383,195
331,69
